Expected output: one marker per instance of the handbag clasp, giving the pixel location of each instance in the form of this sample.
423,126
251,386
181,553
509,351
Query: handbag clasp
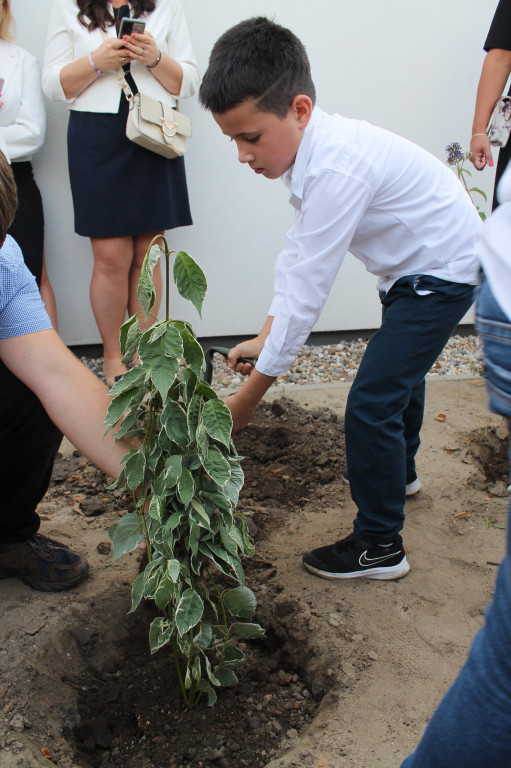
168,127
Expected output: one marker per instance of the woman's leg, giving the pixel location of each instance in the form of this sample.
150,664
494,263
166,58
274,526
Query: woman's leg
109,289
140,246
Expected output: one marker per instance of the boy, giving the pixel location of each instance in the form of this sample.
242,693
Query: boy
403,214
45,391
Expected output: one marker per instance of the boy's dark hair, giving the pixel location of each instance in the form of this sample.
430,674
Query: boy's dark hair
8,197
260,61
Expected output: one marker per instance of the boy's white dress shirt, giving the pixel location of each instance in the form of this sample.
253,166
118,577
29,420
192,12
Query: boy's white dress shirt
395,206
23,114
68,40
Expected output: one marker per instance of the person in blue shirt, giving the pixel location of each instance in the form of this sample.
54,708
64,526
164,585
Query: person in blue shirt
403,214
46,391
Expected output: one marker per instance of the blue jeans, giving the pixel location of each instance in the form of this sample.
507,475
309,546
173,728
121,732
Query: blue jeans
385,405
471,728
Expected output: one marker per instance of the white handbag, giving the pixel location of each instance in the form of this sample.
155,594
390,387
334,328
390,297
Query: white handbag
154,125
499,125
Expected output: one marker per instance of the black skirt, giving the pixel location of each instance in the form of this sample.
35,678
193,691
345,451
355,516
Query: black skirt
28,225
120,189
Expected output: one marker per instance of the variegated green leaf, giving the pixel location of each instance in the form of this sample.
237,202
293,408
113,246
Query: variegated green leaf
217,420
189,611
241,602
190,280
145,290
126,534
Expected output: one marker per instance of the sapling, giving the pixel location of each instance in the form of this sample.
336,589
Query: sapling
185,477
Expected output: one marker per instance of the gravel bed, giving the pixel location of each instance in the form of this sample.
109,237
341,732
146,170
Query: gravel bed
339,362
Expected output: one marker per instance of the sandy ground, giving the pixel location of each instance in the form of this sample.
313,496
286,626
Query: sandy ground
387,650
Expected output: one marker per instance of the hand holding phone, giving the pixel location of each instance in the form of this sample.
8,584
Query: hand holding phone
130,26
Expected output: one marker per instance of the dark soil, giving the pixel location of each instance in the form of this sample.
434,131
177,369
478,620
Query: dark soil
131,711
129,702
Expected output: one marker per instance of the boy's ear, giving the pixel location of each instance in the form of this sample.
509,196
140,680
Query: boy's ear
302,107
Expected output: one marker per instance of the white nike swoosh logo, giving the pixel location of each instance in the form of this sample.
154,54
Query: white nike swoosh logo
365,562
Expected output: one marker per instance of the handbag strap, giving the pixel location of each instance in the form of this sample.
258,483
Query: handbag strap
125,86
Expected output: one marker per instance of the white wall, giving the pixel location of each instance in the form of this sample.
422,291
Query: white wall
411,67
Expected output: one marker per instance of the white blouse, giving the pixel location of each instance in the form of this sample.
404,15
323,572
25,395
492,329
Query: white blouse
68,40
23,115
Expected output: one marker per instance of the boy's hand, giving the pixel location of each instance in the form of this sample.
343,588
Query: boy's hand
250,348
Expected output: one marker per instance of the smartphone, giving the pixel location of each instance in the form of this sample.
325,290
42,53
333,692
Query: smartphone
129,26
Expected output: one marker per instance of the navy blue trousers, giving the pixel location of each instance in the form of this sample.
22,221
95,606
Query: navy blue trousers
385,405
29,442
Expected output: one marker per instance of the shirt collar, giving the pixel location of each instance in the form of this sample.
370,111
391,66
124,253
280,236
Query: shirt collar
294,177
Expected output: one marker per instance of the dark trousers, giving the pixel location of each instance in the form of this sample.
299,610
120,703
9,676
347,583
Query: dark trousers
29,442
28,225
385,406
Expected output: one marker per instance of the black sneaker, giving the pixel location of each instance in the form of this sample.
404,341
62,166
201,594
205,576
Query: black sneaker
413,484
42,563
353,557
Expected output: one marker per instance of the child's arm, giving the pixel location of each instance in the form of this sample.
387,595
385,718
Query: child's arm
243,403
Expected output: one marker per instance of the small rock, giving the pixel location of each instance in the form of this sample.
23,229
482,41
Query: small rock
17,723
91,507
348,669
212,754
292,733
372,655
498,489
284,677
104,547
253,723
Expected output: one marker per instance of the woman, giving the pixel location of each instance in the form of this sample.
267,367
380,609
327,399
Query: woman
22,129
123,195
494,76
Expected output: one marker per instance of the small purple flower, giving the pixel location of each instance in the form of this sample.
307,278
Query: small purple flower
454,153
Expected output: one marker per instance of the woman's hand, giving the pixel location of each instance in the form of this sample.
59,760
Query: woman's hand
141,47
481,151
111,54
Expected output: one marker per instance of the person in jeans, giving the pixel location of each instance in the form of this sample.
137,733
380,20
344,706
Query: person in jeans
471,728
403,214
46,391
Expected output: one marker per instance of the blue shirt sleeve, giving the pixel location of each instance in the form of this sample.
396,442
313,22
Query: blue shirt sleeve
21,307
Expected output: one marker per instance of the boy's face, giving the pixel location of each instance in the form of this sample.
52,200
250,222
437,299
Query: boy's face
266,142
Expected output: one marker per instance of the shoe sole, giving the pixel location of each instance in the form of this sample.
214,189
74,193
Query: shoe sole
382,574
411,488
